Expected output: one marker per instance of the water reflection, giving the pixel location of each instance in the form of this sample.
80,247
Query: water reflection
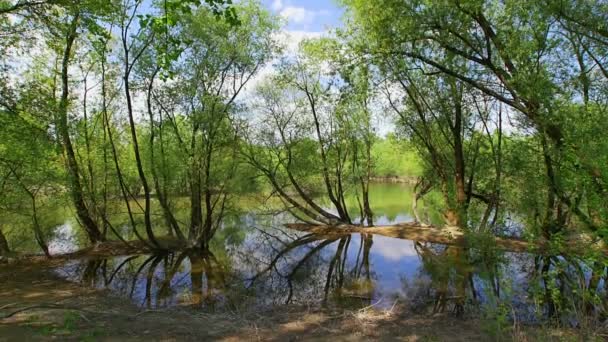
273,266
64,239
252,267
270,267
341,280
186,278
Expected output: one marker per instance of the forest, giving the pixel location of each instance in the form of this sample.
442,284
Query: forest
433,160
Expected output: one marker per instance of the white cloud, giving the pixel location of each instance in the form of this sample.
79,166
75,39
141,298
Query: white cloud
393,249
277,5
298,15
290,41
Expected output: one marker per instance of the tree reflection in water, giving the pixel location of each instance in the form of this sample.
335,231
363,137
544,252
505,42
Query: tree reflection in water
450,275
278,267
311,268
185,278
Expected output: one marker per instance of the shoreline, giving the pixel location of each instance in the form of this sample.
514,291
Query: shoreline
409,180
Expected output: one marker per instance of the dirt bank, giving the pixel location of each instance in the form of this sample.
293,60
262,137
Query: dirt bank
55,309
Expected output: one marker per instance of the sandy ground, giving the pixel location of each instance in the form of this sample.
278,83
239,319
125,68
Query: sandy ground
56,309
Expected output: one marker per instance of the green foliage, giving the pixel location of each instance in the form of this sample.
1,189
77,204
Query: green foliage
499,109
395,158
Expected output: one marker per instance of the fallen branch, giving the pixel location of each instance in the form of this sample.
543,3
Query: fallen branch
454,236
415,232
74,308
54,307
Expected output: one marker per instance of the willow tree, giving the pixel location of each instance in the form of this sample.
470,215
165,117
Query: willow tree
449,123
312,138
516,53
30,168
217,61
57,26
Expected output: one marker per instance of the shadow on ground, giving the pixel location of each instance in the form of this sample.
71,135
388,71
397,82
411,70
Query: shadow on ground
55,309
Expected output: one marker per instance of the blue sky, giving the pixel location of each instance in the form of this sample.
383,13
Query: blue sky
308,19
307,15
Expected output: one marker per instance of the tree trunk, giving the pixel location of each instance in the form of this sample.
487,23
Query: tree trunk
368,175
459,176
38,234
172,225
140,169
121,183
128,65
330,193
421,188
4,249
196,210
208,199
84,216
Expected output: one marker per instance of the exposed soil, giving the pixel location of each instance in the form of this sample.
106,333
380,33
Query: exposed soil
56,309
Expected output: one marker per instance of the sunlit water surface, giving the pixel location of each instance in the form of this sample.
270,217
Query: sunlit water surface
256,262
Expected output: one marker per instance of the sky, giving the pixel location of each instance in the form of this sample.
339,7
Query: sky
307,15
308,19
302,19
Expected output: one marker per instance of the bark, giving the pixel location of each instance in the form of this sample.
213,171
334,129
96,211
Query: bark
83,213
4,248
209,207
330,193
108,134
38,234
433,234
91,175
104,207
128,64
421,188
459,162
172,224
138,162
196,210
367,209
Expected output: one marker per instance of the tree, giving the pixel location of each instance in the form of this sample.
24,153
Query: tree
508,51
28,159
315,132
217,61
73,19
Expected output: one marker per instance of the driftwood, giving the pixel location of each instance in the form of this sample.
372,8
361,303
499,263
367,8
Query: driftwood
416,232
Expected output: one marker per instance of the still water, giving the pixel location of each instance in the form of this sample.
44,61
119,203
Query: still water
256,262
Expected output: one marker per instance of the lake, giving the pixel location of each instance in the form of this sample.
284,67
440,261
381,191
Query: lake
256,262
